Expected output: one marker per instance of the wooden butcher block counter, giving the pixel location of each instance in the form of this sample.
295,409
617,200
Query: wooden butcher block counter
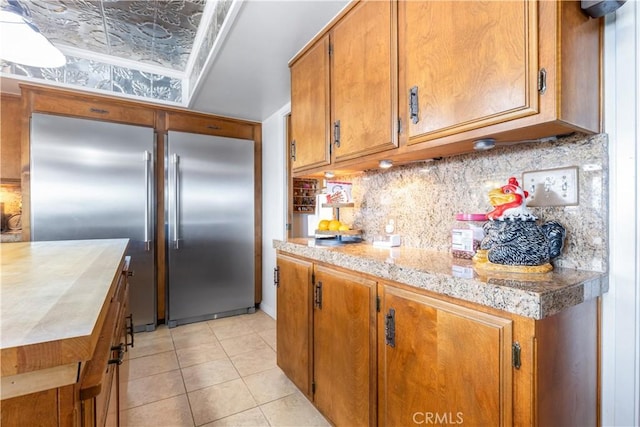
59,300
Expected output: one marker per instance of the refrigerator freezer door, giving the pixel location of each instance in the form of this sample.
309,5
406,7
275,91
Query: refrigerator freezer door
210,229
94,180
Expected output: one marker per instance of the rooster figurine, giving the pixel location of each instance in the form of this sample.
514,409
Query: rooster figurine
513,241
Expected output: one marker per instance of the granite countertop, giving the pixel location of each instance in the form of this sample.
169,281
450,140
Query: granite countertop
531,295
54,302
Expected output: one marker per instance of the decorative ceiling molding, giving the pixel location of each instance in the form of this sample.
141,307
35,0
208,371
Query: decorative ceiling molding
140,48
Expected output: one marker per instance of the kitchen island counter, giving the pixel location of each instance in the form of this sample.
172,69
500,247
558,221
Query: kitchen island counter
530,295
55,297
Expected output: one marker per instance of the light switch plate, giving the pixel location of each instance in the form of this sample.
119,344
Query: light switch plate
551,187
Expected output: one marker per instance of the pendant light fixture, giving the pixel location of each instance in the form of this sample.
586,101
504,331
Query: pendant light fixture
22,42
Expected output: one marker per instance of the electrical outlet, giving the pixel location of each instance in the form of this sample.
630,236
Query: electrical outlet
551,187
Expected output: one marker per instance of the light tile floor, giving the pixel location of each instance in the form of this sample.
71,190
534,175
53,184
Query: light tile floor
217,373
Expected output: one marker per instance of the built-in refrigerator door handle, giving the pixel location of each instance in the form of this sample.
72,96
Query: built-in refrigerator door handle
175,159
147,205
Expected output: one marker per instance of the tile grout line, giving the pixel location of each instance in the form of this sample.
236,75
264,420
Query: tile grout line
210,329
184,384
234,368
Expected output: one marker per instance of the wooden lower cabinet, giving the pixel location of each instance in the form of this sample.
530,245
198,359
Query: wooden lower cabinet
326,338
44,408
344,347
100,386
370,352
293,328
442,364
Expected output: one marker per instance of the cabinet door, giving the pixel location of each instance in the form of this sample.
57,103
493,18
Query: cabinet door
471,63
344,347
293,329
11,130
447,364
310,117
363,76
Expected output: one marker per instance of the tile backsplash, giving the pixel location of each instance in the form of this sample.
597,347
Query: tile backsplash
422,198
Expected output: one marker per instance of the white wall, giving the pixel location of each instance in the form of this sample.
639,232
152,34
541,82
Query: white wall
621,305
273,200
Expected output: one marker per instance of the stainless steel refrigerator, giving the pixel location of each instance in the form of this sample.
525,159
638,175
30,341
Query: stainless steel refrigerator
94,180
210,227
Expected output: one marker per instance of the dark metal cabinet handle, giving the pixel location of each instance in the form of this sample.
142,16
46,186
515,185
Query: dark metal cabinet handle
336,133
129,332
318,295
413,105
390,328
542,81
120,349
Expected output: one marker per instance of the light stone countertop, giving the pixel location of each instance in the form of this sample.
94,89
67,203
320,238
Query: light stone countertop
531,295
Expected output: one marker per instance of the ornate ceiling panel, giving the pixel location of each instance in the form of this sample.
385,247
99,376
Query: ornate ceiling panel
105,40
158,32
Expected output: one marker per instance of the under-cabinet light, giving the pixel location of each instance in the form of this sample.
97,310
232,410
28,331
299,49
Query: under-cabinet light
484,144
385,164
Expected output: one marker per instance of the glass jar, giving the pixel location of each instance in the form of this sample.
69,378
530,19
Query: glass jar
467,234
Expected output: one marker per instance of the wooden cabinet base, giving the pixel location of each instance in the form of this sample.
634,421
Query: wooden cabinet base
294,321
444,362
93,398
439,360
52,407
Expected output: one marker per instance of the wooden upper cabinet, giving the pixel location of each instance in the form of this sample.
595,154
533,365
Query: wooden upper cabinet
447,364
467,64
90,106
200,123
413,80
363,80
11,128
310,116
344,323
294,355
511,71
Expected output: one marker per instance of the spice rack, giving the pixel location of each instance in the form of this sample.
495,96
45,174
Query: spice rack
304,195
